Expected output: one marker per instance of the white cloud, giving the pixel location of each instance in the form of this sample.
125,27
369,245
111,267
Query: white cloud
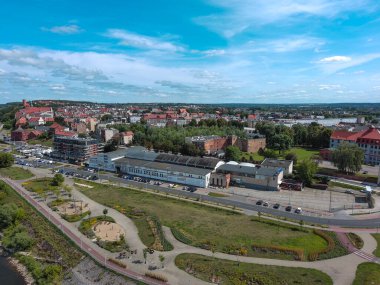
240,15
337,63
57,87
336,58
141,41
66,29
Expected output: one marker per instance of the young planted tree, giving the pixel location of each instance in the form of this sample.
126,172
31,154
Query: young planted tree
162,259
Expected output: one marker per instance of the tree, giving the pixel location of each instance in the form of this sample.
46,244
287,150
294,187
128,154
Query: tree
105,211
8,215
233,153
112,145
281,142
348,157
145,253
306,171
6,160
162,259
58,179
292,156
106,118
17,238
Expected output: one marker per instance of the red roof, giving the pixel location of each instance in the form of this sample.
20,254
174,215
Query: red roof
252,117
65,134
372,134
34,119
345,135
56,126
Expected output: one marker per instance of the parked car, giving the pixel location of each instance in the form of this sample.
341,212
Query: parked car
288,208
276,206
349,192
266,204
298,211
259,203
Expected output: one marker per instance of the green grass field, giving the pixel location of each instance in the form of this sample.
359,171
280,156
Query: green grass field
367,274
231,272
16,173
377,250
302,154
204,225
40,185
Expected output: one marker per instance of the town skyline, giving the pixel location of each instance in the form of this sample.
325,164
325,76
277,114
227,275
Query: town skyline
254,52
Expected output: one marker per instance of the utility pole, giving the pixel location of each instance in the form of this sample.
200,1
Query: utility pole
330,202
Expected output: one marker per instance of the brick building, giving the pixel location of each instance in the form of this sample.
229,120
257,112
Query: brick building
213,144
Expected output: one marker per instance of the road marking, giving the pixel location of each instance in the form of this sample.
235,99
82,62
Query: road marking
365,255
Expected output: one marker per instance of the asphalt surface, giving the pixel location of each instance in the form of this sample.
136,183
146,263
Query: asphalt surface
363,223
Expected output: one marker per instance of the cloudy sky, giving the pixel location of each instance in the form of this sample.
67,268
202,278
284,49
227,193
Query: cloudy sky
198,51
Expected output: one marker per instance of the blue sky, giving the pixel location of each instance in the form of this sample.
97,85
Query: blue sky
196,51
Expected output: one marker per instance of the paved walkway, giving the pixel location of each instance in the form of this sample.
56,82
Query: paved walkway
342,269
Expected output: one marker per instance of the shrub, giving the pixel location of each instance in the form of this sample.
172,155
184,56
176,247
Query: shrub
117,262
178,234
298,254
167,246
355,240
156,276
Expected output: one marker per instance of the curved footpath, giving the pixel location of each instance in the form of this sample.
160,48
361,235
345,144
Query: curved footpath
341,270
331,221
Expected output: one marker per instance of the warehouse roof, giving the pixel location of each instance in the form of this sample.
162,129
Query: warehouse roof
162,166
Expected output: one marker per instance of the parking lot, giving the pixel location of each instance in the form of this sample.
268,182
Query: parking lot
310,199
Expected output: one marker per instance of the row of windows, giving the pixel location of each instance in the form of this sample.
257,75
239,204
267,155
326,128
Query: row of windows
156,173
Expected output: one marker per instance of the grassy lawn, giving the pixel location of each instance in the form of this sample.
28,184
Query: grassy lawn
231,272
367,274
16,173
345,185
47,143
302,154
377,251
40,185
204,226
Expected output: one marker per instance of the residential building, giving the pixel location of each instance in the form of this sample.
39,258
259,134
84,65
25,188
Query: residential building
368,140
75,149
126,137
23,135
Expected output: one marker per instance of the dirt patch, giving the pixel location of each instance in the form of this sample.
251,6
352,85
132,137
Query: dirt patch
108,231
73,208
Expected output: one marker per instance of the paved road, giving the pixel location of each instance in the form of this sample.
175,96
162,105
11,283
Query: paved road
343,222
80,242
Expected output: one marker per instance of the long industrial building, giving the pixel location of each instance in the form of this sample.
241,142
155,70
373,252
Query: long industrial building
187,170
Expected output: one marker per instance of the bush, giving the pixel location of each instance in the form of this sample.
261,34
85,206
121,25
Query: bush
334,247
49,274
298,254
17,238
180,236
76,217
6,160
167,246
117,262
156,276
355,240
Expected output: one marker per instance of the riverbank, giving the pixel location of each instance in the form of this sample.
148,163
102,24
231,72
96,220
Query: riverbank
28,278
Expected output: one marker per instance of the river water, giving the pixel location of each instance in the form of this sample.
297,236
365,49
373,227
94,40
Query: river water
9,274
